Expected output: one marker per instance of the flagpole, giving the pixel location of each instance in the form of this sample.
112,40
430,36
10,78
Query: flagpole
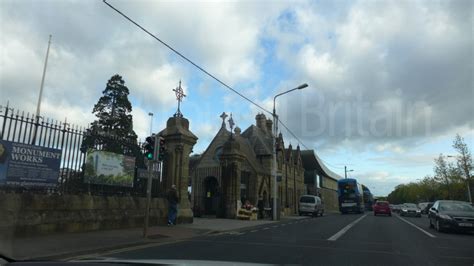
38,106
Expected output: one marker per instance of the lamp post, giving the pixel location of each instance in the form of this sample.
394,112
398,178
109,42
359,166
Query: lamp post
467,180
151,123
274,162
346,171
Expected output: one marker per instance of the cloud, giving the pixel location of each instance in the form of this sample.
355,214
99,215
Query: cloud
388,74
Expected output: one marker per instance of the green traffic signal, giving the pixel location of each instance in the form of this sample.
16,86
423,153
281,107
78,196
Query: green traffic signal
149,147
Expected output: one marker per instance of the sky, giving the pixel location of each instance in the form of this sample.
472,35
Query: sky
390,82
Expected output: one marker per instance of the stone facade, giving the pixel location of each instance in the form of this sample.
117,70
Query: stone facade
179,144
251,162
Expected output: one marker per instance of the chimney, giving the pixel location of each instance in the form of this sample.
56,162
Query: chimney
269,125
261,121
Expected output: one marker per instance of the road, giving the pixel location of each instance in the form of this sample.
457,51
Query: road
330,240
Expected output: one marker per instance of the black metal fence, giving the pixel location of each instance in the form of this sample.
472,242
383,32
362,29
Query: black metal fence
21,127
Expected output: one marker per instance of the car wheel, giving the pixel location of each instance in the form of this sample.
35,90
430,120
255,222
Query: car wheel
300,213
389,214
322,213
375,214
431,224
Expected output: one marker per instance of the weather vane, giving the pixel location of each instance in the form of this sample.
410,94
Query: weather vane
179,96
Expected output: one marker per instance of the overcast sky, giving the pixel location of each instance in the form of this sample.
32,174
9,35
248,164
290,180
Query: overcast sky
390,82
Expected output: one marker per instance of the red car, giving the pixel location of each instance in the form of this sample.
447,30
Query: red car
382,207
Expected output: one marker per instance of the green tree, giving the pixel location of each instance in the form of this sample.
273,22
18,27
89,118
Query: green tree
464,161
113,128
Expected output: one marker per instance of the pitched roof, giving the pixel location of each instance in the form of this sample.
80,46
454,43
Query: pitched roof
260,141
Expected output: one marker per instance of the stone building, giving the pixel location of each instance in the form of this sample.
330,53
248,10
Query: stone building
250,155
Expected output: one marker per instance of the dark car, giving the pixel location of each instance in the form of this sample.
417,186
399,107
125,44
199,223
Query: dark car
452,215
410,209
382,207
427,208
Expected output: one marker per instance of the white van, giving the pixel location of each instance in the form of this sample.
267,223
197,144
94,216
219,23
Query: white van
310,204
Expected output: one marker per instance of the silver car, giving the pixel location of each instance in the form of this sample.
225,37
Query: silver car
410,209
310,204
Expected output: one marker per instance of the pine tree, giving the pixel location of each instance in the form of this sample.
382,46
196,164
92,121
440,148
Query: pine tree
113,129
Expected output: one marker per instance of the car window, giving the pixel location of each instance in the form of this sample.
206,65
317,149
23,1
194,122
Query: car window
455,206
381,203
307,200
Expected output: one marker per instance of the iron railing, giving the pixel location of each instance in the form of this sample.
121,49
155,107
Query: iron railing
21,127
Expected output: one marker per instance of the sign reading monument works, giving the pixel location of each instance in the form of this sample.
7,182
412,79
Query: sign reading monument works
28,165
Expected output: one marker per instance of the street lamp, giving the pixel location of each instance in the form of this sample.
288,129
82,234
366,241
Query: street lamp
467,179
151,123
346,171
274,163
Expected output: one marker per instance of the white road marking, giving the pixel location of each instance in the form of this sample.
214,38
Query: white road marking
275,226
345,229
266,228
253,231
417,227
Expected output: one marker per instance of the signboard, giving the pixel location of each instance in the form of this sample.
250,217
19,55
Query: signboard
28,165
108,168
143,174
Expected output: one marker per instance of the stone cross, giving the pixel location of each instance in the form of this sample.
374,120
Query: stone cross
231,124
223,117
179,96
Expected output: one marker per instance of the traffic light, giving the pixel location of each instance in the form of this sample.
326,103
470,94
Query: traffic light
149,147
161,149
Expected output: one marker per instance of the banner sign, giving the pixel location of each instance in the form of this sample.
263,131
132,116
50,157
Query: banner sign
143,174
28,165
108,168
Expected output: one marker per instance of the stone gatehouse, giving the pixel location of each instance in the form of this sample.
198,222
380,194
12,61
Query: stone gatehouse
255,147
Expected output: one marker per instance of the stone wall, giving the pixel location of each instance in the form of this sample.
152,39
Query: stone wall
329,197
33,214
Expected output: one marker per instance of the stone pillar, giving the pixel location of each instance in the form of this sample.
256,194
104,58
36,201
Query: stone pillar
179,143
231,164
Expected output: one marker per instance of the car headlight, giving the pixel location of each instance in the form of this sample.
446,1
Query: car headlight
404,210
444,216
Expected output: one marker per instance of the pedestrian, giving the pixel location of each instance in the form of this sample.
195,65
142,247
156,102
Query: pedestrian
172,205
260,206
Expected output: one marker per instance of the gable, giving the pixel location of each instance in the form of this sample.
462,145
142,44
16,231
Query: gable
208,158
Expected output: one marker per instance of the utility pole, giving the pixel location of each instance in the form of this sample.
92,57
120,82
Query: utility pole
274,160
38,106
345,171
148,198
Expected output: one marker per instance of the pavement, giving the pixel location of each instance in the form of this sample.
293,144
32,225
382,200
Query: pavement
76,245
335,239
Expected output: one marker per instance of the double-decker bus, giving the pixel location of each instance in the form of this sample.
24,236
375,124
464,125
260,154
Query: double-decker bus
350,195
368,198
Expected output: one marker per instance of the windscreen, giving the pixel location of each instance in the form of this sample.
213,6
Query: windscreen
307,200
456,206
348,190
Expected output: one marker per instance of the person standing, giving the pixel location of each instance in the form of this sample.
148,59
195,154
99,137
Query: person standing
172,205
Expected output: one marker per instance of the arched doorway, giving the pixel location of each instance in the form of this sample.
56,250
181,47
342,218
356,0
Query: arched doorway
211,195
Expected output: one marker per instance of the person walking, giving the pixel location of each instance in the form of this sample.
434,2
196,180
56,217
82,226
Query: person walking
172,205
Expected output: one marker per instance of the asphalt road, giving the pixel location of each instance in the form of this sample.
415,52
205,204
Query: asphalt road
330,240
